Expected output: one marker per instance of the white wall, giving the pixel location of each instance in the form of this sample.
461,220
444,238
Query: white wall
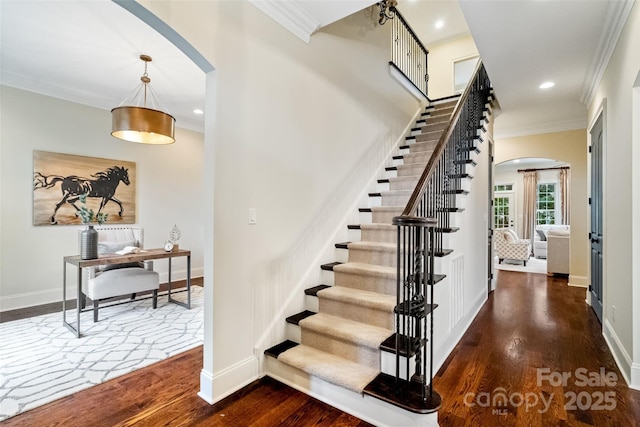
620,193
441,59
169,191
299,131
570,147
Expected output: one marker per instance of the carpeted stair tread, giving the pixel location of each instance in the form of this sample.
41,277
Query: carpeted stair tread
367,269
329,367
314,291
278,349
359,297
296,318
346,330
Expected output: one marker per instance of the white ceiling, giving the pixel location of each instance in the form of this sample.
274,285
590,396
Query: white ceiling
525,43
87,52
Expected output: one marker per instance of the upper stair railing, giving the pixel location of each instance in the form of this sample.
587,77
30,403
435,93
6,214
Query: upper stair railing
419,239
408,54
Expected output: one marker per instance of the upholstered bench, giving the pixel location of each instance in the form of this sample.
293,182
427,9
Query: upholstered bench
120,279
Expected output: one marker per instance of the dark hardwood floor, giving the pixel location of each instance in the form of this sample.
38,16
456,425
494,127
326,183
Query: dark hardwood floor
530,322
533,329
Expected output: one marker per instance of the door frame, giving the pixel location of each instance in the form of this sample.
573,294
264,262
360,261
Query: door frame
600,112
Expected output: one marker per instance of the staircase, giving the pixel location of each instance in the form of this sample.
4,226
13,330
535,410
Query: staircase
346,337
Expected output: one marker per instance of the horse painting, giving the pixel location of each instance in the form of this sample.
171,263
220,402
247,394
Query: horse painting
102,185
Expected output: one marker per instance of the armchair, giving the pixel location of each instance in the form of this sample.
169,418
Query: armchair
508,246
120,279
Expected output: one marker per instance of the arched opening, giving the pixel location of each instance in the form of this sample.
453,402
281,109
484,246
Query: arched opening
531,197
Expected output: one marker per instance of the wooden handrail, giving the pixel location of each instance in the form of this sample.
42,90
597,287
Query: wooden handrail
421,186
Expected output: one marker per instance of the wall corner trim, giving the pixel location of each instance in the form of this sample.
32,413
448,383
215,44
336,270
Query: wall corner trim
216,387
615,20
291,16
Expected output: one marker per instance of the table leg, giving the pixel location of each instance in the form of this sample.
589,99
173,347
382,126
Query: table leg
180,303
169,293
189,282
75,330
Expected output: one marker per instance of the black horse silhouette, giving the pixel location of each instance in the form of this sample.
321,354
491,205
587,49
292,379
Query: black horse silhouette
102,186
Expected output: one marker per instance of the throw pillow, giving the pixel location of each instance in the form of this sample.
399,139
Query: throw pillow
112,247
509,236
543,236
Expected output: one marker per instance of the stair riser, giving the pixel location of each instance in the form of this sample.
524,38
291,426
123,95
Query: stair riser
380,236
341,255
386,217
405,184
419,147
391,199
435,125
415,169
311,303
365,218
327,277
355,235
388,365
428,136
386,258
348,350
418,157
358,313
382,186
293,332
383,285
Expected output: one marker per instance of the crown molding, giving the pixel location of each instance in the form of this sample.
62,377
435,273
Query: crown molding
290,15
617,14
540,128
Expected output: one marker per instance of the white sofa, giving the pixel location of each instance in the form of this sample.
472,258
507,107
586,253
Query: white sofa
558,251
123,279
540,242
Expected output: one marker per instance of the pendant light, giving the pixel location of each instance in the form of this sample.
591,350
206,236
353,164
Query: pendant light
143,124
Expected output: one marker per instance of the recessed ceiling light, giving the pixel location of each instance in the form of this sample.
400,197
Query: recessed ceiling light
198,111
547,85
439,24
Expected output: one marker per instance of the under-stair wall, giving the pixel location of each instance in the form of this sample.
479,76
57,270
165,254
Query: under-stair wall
459,296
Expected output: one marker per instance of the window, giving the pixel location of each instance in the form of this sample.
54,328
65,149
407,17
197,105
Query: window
546,204
503,187
502,212
462,72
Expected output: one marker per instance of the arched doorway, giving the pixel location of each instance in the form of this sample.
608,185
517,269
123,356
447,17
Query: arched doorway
531,196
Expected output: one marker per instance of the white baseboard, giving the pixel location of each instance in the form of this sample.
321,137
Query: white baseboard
621,356
216,387
635,376
579,281
30,299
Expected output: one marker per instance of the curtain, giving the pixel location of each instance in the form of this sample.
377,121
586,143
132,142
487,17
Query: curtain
530,180
565,195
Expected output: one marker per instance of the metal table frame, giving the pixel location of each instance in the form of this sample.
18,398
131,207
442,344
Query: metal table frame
145,255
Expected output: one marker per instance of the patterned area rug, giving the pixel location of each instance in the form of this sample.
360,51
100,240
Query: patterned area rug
534,265
41,360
